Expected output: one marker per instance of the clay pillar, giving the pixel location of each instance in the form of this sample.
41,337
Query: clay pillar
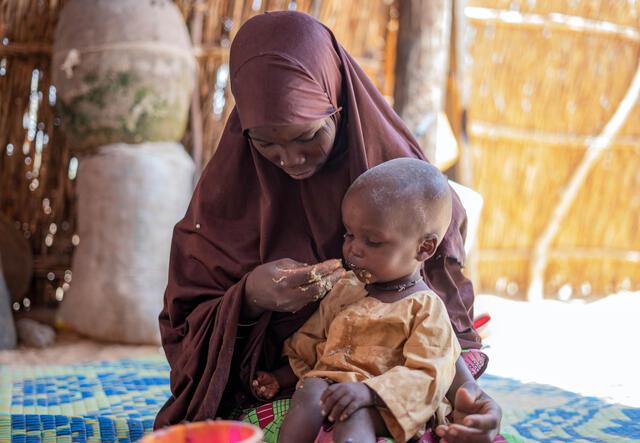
124,72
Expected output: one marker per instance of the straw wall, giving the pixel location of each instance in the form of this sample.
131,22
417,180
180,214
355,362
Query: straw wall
35,189
543,85
36,165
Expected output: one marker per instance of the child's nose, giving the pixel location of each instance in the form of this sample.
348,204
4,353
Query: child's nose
356,250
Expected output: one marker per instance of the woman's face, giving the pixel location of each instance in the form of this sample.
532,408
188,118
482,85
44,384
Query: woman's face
300,150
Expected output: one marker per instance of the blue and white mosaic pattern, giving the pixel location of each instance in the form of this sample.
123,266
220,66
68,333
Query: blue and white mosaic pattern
542,413
108,401
117,402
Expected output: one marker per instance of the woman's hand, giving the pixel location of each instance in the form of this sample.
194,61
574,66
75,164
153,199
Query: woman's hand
287,285
476,417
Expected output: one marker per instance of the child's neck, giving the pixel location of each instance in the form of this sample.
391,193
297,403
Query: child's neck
398,289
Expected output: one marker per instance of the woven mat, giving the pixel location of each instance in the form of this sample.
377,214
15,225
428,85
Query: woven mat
118,400
543,413
106,401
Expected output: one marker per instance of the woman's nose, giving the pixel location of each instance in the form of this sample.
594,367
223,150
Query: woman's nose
290,158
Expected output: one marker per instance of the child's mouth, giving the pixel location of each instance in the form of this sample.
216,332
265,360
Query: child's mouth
362,274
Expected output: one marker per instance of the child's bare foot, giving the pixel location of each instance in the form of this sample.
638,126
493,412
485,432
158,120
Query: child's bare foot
265,385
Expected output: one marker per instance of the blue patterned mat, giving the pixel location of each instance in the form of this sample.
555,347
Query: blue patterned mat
543,413
106,401
117,401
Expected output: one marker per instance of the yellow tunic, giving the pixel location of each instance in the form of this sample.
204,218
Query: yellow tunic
405,351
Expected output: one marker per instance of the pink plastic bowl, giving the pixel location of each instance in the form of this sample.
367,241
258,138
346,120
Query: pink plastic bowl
219,431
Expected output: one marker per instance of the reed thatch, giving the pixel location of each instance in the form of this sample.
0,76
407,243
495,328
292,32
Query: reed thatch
547,77
37,166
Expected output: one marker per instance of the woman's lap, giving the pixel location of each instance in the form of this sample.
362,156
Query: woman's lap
269,417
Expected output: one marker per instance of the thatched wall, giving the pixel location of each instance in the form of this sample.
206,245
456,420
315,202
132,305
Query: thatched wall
36,165
544,84
35,189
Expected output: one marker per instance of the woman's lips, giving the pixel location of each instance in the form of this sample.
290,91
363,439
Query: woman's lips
302,174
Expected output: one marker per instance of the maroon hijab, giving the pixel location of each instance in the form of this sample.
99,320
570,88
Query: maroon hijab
286,68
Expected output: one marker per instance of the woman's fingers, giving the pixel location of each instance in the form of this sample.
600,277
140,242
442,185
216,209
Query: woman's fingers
463,434
303,275
485,422
317,290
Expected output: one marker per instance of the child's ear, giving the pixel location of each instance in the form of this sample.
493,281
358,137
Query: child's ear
427,247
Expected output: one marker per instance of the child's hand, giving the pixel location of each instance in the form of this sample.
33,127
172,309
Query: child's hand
266,385
343,399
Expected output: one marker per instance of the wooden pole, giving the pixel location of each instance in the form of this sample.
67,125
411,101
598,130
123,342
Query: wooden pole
196,111
422,65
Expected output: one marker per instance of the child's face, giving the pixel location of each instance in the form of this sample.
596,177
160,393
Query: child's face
379,246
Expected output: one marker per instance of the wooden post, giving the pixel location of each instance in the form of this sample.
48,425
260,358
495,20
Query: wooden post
422,65
197,21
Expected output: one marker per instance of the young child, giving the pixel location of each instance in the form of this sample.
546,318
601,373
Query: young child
379,354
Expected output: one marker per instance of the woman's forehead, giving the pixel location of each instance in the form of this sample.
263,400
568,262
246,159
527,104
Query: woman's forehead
284,133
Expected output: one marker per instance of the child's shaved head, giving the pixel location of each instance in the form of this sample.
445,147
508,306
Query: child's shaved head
415,192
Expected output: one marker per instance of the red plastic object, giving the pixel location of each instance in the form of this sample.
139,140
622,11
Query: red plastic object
481,320
219,431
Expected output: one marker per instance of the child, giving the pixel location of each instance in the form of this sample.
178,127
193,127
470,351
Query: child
379,354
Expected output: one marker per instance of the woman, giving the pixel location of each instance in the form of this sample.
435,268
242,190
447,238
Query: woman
307,122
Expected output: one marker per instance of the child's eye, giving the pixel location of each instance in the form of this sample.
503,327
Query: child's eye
373,244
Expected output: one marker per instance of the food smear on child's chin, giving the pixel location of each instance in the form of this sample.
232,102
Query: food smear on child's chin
362,274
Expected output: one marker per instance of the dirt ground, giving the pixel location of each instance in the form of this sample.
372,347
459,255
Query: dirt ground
70,348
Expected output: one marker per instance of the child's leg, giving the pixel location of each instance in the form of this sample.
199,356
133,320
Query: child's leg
362,427
304,418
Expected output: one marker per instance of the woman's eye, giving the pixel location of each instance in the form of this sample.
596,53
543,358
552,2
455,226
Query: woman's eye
307,140
259,143
347,235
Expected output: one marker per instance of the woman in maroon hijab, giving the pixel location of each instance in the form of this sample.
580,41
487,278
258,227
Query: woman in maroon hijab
307,122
